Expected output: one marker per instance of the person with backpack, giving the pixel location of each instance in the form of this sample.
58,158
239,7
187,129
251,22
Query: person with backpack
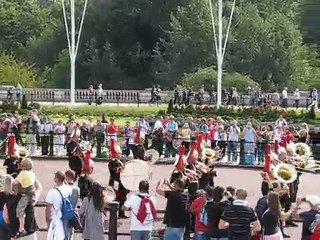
200,208
143,212
56,211
215,211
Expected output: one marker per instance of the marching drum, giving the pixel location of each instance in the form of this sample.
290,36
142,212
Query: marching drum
135,171
152,155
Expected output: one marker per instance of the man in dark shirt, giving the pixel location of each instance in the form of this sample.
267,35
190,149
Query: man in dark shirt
239,218
176,215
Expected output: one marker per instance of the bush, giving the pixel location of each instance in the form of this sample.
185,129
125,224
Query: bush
24,103
256,114
34,106
208,77
9,106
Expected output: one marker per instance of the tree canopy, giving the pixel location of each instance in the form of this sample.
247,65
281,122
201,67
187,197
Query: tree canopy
136,44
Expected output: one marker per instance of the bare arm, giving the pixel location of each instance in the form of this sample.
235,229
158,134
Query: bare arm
223,224
159,188
256,227
48,213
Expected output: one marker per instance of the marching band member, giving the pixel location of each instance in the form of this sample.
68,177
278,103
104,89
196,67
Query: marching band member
112,131
157,136
115,167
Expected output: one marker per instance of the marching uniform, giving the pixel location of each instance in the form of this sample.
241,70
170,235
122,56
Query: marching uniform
115,167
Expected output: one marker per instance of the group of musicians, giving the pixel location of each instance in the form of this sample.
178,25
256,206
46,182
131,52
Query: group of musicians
195,166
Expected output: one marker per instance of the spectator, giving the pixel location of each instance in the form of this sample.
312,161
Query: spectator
143,212
296,95
176,215
10,215
59,138
44,130
19,93
272,216
307,216
6,194
26,180
239,217
199,205
281,122
85,181
74,198
53,214
215,210
285,97
233,138
92,210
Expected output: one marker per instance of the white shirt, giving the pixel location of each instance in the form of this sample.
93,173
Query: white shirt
45,128
233,134
281,122
59,129
284,94
134,203
55,198
157,125
296,95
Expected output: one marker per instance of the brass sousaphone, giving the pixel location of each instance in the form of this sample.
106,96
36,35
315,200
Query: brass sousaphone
285,173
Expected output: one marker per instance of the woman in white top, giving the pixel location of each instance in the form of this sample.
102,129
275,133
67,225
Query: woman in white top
59,138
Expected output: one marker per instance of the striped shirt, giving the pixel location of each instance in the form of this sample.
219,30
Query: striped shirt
239,216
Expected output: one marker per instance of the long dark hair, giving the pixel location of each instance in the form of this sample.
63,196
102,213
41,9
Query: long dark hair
96,194
274,203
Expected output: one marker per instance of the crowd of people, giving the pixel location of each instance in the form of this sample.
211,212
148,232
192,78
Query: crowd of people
163,133
255,96
194,203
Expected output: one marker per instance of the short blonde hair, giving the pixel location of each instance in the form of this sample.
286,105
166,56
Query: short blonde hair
26,164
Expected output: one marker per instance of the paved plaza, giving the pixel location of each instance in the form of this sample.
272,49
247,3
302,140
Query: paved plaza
248,178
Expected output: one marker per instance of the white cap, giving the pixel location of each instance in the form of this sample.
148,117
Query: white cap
313,199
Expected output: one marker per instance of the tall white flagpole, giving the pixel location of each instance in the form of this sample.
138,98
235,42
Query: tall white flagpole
220,46
73,42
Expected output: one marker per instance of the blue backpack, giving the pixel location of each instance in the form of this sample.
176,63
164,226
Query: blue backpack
66,209
203,218
262,206
1,218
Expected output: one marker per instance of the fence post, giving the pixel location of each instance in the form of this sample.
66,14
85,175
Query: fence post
51,144
99,146
241,152
117,96
113,223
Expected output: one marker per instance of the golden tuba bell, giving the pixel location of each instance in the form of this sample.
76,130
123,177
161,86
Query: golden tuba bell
208,153
285,173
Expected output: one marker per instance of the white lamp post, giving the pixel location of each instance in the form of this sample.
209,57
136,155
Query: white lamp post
73,45
220,46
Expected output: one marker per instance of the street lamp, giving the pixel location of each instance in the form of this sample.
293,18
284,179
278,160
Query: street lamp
73,44
219,45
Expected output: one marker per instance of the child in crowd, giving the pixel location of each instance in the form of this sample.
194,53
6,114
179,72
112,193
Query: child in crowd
26,178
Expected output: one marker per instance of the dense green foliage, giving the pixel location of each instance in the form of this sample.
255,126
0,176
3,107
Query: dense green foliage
138,43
